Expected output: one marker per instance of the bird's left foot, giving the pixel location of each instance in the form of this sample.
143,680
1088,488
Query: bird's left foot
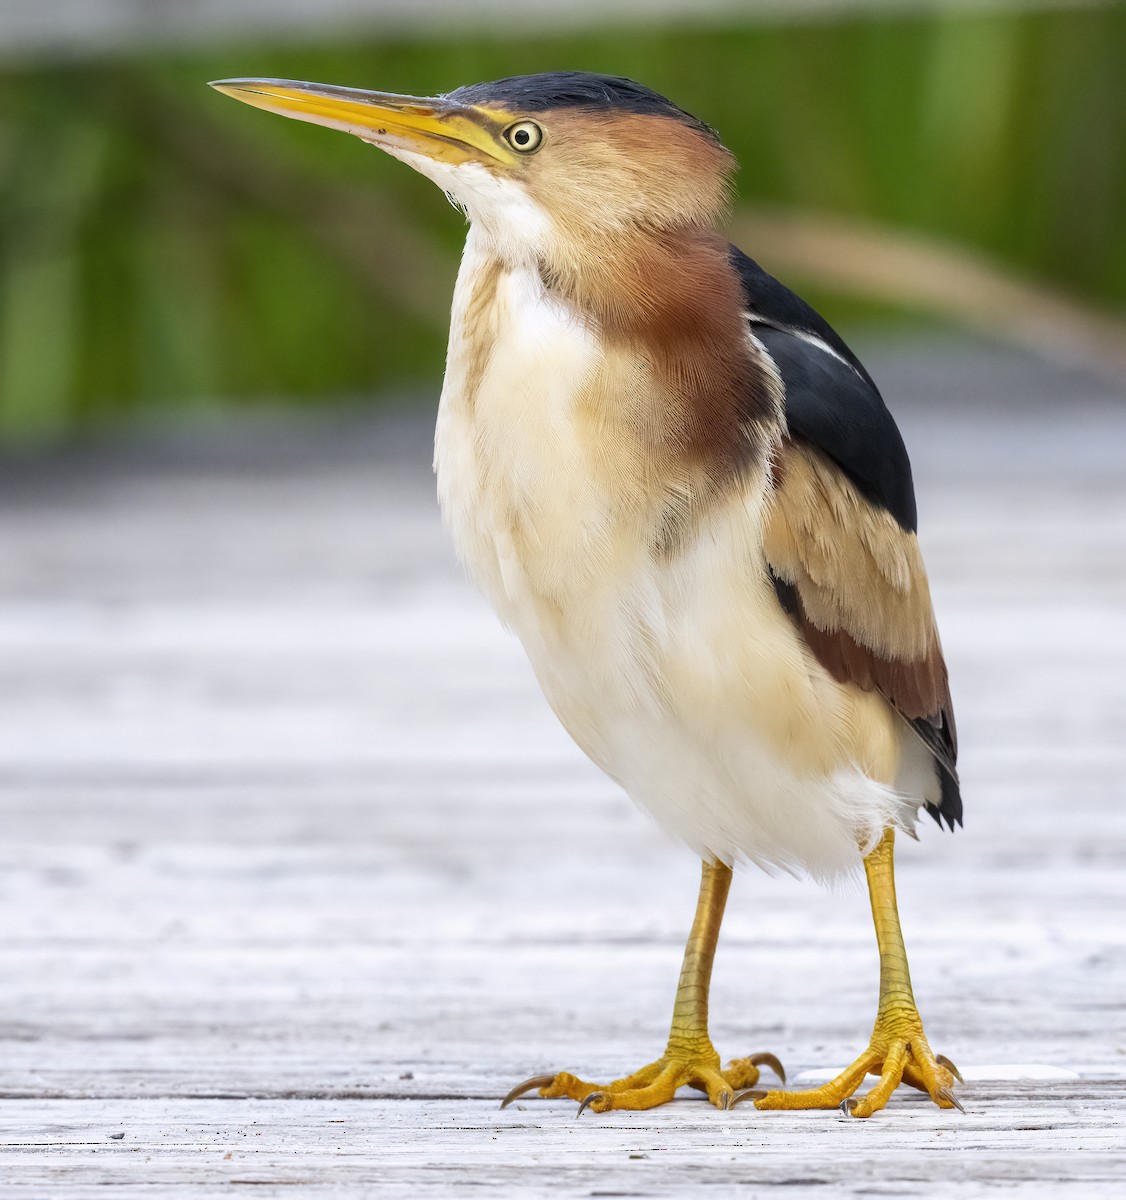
898,1053
658,1082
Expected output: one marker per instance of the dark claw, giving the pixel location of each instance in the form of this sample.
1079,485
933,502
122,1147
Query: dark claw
768,1060
948,1094
943,1061
747,1094
847,1105
593,1096
725,1100
537,1081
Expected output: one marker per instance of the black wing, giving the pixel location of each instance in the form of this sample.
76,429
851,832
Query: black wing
831,400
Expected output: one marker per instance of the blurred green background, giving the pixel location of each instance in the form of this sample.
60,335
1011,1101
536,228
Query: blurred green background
164,251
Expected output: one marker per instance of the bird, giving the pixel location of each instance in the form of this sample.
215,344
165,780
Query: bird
685,495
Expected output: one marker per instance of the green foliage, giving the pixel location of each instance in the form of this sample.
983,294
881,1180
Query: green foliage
161,246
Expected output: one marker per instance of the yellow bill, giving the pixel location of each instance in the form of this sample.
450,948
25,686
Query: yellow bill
436,127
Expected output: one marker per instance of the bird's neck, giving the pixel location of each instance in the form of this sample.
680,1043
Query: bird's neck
670,299
570,425
666,309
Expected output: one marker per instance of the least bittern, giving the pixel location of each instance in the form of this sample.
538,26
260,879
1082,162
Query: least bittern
684,493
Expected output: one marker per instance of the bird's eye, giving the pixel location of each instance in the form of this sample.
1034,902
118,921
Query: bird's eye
524,136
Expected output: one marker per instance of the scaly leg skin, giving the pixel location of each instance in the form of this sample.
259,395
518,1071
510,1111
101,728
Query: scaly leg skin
898,1051
690,1059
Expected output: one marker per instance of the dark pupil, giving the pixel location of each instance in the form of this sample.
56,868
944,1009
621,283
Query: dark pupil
522,137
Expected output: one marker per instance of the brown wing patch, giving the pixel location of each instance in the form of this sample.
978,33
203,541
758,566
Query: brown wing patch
859,589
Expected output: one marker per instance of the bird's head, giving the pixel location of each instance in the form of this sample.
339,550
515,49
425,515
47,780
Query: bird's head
539,163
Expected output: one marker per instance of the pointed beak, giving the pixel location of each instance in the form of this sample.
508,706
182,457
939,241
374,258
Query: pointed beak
440,129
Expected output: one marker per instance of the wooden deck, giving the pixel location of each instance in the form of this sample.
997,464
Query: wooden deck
298,875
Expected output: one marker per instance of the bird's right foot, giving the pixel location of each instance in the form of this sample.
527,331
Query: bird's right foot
656,1083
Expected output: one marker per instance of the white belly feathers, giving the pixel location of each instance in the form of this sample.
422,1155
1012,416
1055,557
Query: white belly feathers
678,674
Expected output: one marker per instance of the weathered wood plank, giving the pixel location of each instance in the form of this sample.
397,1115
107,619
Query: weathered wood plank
296,866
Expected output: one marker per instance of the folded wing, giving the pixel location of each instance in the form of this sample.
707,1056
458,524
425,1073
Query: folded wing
840,538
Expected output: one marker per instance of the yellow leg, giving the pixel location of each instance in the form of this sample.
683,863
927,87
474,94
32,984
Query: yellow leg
898,1051
689,1059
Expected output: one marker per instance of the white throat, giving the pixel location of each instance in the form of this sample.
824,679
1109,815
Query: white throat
516,229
